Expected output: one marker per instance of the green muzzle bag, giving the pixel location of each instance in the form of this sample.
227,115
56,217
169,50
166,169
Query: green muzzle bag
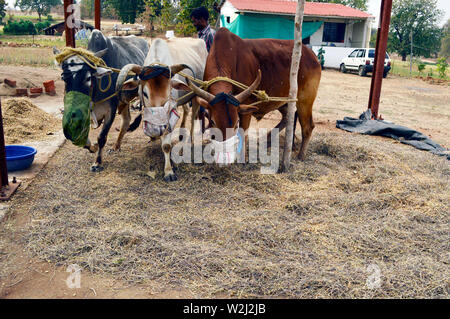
77,117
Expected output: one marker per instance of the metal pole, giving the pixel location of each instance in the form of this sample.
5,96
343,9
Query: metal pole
70,23
380,57
98,10
7,189
3,167
411,56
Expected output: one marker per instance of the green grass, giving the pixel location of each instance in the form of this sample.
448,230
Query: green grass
33,18
402,68
43,41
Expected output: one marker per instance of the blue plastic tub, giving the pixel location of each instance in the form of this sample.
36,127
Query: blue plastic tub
19,157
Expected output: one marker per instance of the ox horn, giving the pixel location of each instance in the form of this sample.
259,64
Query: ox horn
124,73
247,93
174,69
201,93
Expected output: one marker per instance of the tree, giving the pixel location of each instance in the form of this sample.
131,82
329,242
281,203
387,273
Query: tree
2,10
445,44
127,10
357,4
418,18
185,9
42,7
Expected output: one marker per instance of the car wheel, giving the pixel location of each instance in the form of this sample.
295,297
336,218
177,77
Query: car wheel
361,71
343,69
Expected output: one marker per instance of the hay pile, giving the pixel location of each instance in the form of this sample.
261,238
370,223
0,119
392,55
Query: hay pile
221,232
23,121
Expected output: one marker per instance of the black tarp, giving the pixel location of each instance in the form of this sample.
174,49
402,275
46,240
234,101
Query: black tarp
365,125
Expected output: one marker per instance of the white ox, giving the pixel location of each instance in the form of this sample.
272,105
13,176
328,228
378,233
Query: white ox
160,82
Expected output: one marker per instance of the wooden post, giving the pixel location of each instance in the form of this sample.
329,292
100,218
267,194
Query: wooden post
7,189
97,15
380,57
292,106
70,23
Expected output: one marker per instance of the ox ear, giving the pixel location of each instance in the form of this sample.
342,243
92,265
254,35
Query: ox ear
101,54
129,90
179,85
130,85
247,109
101,72
203,102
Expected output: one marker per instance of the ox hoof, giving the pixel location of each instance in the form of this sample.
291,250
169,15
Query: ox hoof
171,178
112,151
96,168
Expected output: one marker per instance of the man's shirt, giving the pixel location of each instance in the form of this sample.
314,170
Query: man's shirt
207,34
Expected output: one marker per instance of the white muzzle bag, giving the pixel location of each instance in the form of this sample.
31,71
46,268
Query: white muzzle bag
159,119
226,152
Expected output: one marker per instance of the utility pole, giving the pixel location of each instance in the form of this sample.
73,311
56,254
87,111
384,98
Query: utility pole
380,56
97,14
411,56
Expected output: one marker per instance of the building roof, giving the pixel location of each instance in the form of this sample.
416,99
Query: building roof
290,7
82,25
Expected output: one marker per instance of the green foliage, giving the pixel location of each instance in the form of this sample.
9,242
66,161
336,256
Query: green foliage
373,38
127,10
442,66
321,56
42,7
185,26
88,9
419,18
421,67
42,25
20,27
445,44
357,4
3,5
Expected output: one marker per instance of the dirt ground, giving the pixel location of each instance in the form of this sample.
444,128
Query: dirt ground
357,200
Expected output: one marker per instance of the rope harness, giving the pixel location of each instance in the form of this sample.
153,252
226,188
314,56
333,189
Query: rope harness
157,69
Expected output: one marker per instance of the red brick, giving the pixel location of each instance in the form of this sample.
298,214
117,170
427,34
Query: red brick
11,83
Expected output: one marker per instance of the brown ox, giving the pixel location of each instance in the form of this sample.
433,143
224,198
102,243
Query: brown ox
240,60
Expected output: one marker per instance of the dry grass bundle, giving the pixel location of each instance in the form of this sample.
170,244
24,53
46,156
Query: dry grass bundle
230,231
24,121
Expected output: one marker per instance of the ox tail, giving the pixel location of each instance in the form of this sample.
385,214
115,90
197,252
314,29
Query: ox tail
136,123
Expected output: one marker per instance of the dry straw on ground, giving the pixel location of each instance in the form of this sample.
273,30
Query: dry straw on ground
23,121
232,232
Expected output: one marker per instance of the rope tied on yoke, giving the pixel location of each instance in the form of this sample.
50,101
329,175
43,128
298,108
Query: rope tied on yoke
94,62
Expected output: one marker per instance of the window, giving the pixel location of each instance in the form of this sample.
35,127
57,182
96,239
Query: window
334,32
353,54
372,54
307,40
228,19
361,53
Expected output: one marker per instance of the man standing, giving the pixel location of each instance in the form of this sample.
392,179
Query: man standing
200,17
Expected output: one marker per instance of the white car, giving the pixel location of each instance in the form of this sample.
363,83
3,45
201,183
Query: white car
361,60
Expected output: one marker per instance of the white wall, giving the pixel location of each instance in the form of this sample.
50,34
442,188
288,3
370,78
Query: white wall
228,11
333,55
352,30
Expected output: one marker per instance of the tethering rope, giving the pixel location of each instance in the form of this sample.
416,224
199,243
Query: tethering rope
95,62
